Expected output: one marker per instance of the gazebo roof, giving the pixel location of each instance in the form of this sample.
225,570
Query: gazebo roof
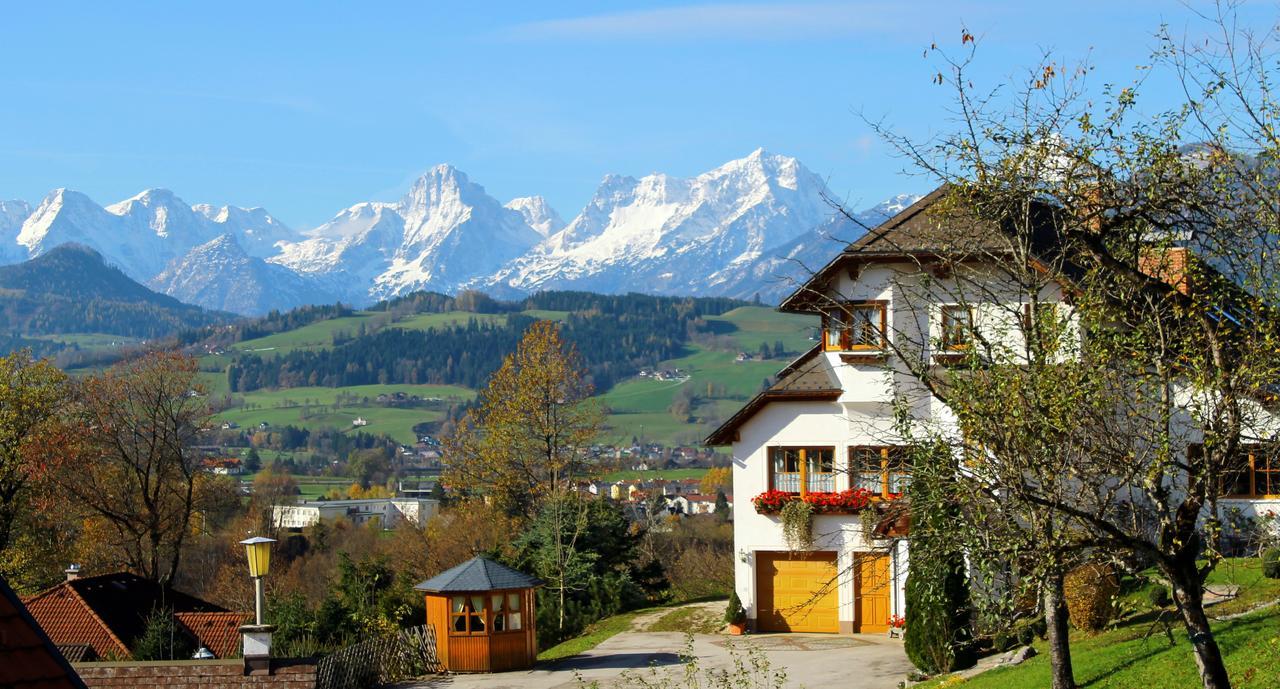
478,574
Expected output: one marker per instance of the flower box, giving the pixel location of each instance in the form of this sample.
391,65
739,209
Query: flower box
849,501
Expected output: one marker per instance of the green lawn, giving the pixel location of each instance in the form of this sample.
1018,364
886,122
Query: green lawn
1138,655
593,636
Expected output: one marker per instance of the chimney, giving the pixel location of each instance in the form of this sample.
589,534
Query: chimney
72,571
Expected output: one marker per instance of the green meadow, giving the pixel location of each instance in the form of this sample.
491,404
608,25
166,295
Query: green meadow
638,407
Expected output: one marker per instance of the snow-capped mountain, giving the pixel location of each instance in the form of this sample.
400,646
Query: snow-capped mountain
751,226
142,234
222,276
12,213
779,271
441,235
538,214
675,236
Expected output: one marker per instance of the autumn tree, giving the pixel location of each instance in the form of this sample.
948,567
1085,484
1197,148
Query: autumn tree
715,480
32,394
1147,239
135,468
529,436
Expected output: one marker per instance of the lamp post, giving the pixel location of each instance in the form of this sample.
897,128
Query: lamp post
258,550
257,637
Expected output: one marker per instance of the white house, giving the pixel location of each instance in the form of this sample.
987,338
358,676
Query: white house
391,511
828,425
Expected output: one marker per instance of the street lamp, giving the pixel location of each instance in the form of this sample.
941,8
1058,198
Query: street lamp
258,550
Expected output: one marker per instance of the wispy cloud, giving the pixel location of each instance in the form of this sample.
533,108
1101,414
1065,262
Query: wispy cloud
741,21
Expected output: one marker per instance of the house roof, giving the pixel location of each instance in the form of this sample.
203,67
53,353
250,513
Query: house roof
927,229
109,612
217,631
806,379
28,658
478,574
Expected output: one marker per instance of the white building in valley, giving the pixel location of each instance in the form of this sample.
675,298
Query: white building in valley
389,511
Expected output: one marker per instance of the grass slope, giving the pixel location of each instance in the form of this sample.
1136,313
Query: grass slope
638,407
315,408
1138,654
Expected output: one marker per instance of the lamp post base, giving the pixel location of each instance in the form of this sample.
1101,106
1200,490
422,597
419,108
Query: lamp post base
257,648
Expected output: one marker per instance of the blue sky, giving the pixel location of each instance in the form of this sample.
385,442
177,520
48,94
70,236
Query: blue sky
306,108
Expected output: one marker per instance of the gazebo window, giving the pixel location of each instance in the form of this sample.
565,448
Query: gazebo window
467,613
506,612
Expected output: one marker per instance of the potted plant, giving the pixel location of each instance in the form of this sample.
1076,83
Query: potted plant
896,625
735,616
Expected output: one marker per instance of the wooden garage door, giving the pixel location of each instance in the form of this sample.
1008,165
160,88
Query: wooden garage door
796,592
872,590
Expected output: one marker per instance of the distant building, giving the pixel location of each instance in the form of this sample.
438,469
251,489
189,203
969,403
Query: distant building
390,511
223,466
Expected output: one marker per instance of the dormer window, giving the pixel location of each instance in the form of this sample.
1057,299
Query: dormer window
856,327
957,327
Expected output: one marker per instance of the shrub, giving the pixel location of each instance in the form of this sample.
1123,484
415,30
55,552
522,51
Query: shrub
1271,563
938,636
734,612
1090,591
162,638
1159,596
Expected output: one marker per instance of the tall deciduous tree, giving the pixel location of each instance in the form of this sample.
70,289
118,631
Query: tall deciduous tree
32,394
1159,232
136,469
529,437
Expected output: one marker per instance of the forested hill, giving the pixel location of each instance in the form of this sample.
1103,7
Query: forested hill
70,289
431,338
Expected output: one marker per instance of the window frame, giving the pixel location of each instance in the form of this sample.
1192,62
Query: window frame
468,613
802,463
488,615
947,323
888,469
1256,454
846,323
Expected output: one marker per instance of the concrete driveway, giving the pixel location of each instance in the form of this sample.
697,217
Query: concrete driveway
811,660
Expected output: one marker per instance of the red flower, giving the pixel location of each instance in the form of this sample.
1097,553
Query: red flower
848,501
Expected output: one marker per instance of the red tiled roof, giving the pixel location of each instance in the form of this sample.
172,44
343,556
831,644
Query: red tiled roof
28,659
217,631
68,621
109,613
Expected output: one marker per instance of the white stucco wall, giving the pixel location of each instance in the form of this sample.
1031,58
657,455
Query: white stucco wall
800,423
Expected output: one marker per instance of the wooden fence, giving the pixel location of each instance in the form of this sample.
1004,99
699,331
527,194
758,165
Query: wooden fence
381,660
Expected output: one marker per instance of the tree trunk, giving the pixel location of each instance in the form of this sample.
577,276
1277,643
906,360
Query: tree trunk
1189,596
1055,617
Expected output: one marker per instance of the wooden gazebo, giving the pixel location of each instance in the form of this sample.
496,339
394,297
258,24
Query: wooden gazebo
483,614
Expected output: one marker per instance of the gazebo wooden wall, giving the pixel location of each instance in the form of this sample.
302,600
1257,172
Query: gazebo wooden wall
489,651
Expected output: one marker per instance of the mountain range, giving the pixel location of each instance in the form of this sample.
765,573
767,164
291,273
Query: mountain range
753,226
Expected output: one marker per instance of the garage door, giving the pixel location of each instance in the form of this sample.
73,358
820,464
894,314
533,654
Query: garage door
796,592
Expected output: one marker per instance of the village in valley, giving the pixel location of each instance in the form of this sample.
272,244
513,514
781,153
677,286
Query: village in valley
733,427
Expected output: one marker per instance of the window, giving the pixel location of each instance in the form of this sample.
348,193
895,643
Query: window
467,615
880,469
802,469
957,327
1253,473
506,612
856,326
